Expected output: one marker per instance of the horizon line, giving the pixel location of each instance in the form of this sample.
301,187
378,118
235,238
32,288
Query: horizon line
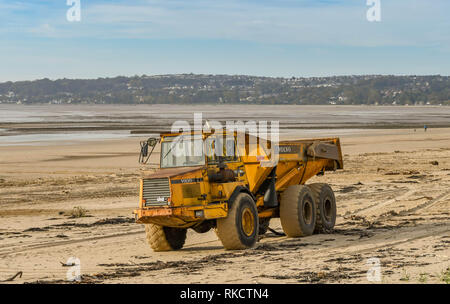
230,75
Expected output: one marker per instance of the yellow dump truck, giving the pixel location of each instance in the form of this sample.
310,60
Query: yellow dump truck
237,191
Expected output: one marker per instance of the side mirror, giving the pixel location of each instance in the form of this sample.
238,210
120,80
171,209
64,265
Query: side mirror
144,149
144,155
152,141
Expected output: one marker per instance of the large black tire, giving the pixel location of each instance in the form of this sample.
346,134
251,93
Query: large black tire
325,206
263,225
239,230
165,238
297,211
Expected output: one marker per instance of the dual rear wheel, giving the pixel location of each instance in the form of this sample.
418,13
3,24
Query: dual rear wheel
325,207
307,209
297,211
304,210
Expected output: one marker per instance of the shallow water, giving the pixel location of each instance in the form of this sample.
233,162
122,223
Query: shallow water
33,124
43,139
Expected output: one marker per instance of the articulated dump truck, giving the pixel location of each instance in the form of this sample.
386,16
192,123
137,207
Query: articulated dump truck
237,191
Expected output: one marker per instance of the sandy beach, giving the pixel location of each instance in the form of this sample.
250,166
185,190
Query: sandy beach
393,204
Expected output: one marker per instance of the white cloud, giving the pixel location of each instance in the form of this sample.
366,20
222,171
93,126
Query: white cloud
44,30
319,25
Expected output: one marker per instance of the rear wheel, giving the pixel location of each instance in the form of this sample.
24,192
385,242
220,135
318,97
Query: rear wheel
165,238
297,211
239,230
325,205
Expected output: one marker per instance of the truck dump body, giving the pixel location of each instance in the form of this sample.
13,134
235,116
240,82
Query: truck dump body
299,160
308,158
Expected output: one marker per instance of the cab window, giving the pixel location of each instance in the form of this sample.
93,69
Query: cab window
219,146
182,152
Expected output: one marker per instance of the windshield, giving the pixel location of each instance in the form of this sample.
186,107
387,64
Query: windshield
182,152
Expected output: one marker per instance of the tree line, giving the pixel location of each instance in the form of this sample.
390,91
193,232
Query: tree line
232,89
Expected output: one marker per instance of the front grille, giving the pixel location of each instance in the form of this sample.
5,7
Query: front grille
156,191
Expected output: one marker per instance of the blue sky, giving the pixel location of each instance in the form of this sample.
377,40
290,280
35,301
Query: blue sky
253,37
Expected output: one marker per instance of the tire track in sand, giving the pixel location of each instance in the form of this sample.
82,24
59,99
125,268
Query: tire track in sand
68,242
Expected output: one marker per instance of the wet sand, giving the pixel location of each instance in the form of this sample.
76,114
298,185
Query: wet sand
38,124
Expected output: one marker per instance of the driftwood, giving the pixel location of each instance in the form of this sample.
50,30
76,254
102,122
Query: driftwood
276,232
19,274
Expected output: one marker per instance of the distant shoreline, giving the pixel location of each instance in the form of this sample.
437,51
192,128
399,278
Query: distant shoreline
50,122
218,104
187,89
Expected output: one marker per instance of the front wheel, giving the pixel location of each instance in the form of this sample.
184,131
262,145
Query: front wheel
239,230
165,238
